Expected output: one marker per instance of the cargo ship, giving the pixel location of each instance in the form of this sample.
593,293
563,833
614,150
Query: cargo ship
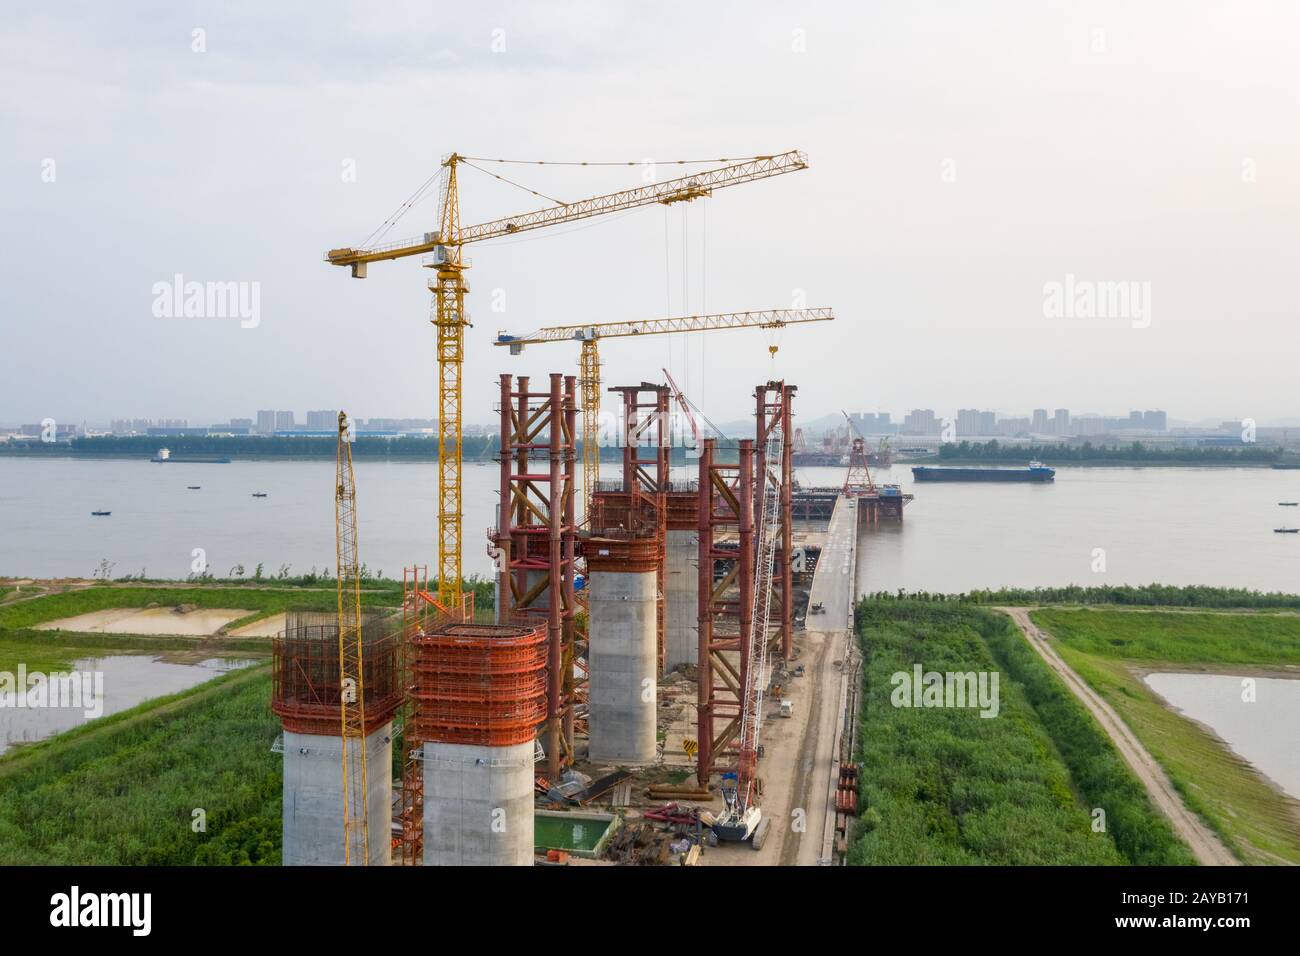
165,455
1036,471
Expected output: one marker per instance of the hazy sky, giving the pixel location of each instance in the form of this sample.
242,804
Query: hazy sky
963,156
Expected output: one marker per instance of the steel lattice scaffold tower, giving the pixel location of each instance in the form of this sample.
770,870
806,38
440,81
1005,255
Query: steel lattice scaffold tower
726,595
774,414
536,538
589,336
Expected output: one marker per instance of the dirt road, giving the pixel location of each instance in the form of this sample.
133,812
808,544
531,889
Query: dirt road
1209,850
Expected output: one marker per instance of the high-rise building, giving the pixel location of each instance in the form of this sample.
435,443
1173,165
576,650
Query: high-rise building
1156,421
265,421
973,421
1061,422
1039,423
920,421
283,421
322,420
871,423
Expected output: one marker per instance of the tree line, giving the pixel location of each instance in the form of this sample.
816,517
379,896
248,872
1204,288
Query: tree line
1134,452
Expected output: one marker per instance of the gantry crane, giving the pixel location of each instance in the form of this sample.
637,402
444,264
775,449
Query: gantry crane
858,480
352,706
442,253
589,337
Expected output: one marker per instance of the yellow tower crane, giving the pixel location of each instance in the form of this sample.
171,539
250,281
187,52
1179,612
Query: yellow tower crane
352,705
442,253
590,335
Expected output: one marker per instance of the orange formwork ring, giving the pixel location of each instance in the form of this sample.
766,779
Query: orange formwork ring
621,551
480,684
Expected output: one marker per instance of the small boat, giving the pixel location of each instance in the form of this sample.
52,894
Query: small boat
259,494
1286,530
1288,504
101,514
193,487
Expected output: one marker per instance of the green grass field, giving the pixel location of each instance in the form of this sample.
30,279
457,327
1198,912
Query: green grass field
1177,637
123,789
946,786
1105,647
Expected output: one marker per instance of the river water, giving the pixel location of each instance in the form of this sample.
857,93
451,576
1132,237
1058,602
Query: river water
1091,526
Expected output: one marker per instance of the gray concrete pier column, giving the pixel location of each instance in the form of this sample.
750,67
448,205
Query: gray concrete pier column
313,798
682,614
478,805
623,662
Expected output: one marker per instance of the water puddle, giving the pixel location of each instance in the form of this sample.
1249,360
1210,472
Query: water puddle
1265,732
93,687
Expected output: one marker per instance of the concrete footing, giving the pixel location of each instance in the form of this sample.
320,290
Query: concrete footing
478,805
313,798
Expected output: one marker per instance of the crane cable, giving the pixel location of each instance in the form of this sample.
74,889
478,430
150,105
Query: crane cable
382,229
511,182
630,162
386,225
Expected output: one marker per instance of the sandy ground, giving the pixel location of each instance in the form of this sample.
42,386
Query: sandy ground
202,622
267,627
1209,850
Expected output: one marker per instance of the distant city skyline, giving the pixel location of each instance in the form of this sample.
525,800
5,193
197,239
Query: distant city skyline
918,421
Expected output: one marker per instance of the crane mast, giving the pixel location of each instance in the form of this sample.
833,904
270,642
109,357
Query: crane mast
449,290
352,709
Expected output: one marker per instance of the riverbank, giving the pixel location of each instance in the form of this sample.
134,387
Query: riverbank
1113,650
181,780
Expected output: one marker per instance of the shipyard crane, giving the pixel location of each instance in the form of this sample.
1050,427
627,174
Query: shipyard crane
352,706
589,336
858,480
442,252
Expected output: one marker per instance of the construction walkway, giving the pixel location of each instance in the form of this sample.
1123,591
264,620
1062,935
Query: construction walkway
826,640
800,764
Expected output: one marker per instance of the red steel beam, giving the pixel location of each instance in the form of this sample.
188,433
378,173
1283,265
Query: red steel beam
536,537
